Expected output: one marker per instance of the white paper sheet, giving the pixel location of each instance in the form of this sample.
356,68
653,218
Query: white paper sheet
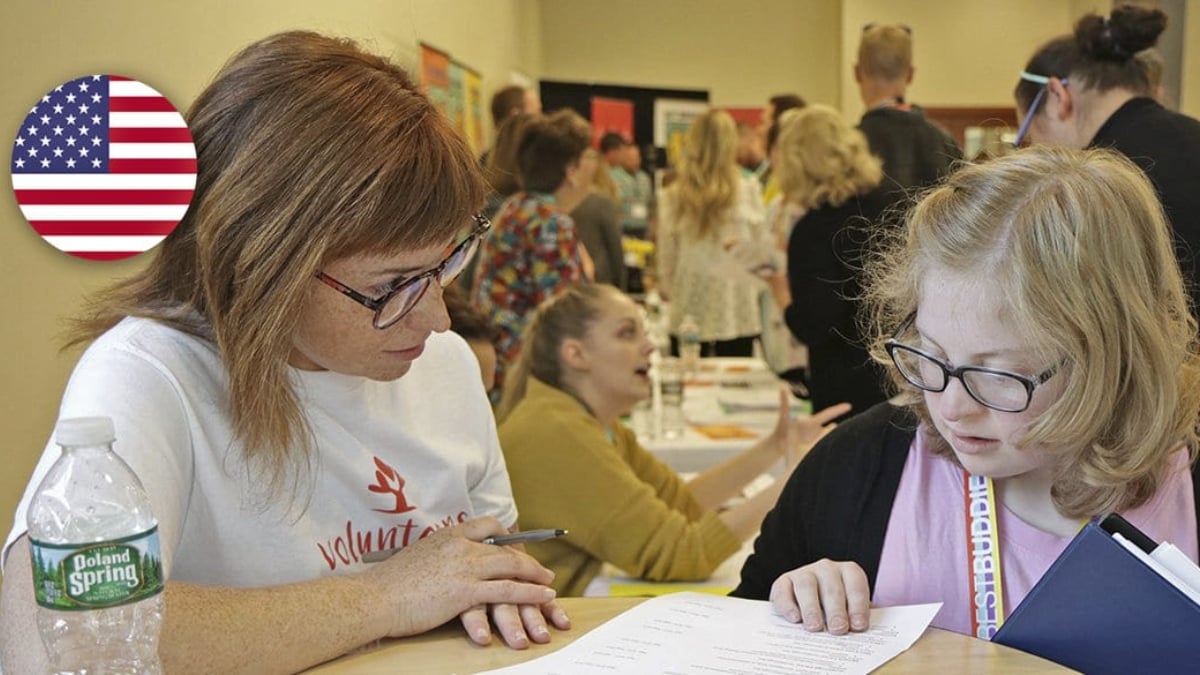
694,633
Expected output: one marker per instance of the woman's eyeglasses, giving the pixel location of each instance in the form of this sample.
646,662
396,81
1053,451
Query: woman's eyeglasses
396,303
1033,107
994,388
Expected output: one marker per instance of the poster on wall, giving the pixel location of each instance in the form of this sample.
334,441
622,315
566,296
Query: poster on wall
456,90
456,105
672,118
611,115
473,108
435,76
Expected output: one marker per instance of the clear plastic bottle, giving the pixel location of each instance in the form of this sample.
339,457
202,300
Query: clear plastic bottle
689,344
655,320
97,569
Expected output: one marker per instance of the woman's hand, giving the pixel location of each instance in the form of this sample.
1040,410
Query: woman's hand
518,624
793,437
824,595
449,573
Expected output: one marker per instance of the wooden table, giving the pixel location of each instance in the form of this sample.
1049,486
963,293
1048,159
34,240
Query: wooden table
447,650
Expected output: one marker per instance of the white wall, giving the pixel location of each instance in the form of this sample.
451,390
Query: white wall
1189,90
742,51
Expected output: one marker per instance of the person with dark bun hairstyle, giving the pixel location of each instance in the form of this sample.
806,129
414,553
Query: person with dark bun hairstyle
1090,89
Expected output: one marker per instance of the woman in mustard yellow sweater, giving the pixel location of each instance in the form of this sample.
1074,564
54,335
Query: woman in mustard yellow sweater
573,465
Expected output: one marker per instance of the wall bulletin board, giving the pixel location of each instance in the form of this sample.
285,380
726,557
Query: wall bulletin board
455,89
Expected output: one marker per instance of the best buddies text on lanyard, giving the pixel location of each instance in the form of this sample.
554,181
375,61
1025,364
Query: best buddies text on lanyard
983,557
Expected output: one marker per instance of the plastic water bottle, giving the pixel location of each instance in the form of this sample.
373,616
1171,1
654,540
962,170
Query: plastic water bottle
655,320
97,570
670,419
689,344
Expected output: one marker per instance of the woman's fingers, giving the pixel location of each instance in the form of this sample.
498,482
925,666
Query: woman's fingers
475,621
858,596
507,619
556,615
824,595
535,623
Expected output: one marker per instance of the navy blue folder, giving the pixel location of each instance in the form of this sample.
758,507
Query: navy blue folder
1099,609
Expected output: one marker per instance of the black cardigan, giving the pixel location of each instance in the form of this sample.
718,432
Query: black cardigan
1166,145
837,503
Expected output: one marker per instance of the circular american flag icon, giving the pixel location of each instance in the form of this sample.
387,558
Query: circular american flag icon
103,167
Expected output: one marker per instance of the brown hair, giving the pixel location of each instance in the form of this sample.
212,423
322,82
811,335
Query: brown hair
780,103
309,150
1077,245
549,146
467,319
505,100
1100,54
569,314
501,171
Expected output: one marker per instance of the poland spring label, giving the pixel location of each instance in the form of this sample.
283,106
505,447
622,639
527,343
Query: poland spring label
97,575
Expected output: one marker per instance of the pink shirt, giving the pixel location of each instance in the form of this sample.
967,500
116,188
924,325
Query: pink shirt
925,549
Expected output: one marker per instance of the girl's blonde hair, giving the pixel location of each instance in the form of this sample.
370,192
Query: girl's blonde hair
309,150
1077,246
569,314
820,159
707,181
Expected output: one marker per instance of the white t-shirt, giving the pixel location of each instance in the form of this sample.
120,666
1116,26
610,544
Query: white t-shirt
393,460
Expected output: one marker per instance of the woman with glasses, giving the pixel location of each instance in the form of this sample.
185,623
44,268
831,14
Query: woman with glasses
1039,334
574,465
1091,89
281,379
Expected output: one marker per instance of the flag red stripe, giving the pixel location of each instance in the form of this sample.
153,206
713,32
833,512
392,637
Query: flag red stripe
140,104
72,197
149,135
152,166
104,255
84,228
119,78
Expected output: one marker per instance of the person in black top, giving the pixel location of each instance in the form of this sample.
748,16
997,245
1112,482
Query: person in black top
916,153
825,167
1033,319
1088,89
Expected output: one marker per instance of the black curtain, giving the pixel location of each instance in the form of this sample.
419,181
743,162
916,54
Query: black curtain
578,96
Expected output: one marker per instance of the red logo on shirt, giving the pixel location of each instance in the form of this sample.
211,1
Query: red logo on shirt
388,482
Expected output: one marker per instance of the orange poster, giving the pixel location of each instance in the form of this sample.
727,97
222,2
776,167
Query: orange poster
435,77
611,114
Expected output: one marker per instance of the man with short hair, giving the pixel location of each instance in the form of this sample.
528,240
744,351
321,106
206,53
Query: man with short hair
508,101
612,144
916,153
634,186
